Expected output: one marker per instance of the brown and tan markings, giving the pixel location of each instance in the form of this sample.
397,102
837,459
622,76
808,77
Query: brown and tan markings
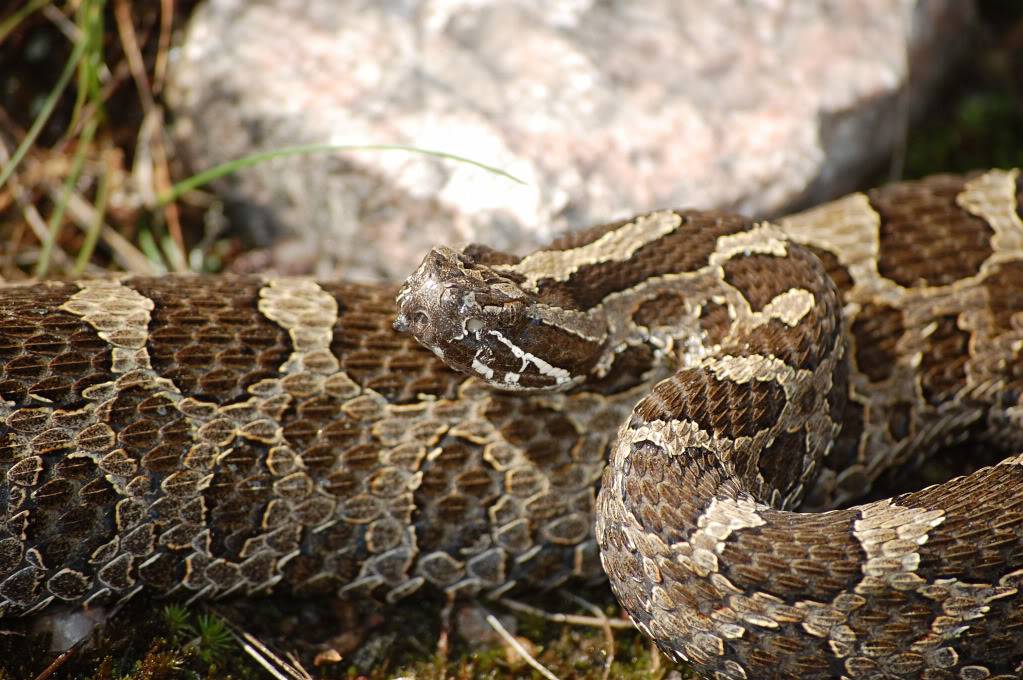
809,359
206,437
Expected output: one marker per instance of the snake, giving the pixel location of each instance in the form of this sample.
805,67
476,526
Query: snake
691,402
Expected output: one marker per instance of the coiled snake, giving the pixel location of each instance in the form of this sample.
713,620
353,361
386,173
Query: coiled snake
207,437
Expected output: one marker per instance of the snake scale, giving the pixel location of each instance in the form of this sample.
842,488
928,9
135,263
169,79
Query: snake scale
213,436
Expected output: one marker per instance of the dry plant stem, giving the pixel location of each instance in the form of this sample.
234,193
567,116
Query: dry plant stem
441,653
519,649
609,637
163,183
153,122
129,41
60,202
117,77
11,164
261,654
65,25
655,659
163,45
125,254
62,659
147,171
34,220
297,668
572,619
13,246
95,226
11,22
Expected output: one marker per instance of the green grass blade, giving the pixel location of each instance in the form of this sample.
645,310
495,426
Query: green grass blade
95,227
89,18
45,112
150,249
218,171
57,218
11,22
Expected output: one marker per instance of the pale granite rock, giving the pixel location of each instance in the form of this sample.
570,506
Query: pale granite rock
603,109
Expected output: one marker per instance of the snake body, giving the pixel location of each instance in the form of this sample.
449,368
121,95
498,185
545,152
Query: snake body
207,437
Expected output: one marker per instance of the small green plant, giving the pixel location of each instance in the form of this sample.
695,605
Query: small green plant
214,638
176,618
206,634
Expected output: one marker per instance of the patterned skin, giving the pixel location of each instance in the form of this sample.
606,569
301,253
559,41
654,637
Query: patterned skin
206,437
791,387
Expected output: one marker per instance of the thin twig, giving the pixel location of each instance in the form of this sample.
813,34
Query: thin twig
13,246
56,664
95,226
297,666
63,24
34,220
259,657
517,646
11,22
60,203
263,655
572,619
127,256
152,123
130,43
266,658
608,634
163,45
120,73
44,114
163,183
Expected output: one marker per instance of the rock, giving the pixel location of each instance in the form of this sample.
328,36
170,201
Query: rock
603,109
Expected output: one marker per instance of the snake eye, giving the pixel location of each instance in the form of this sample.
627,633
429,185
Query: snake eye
420,319
473,325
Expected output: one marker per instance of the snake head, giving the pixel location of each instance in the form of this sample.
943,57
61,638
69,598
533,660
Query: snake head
481,322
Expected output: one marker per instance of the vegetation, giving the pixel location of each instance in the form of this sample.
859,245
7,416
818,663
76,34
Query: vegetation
89,181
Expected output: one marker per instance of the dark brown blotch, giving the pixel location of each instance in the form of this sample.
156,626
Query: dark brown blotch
722,407
925,238
876,331
982,530
685,249
836,270
666,309
761,278
716,321
22,586
796,556
781,462
943,364
47,352
209,337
